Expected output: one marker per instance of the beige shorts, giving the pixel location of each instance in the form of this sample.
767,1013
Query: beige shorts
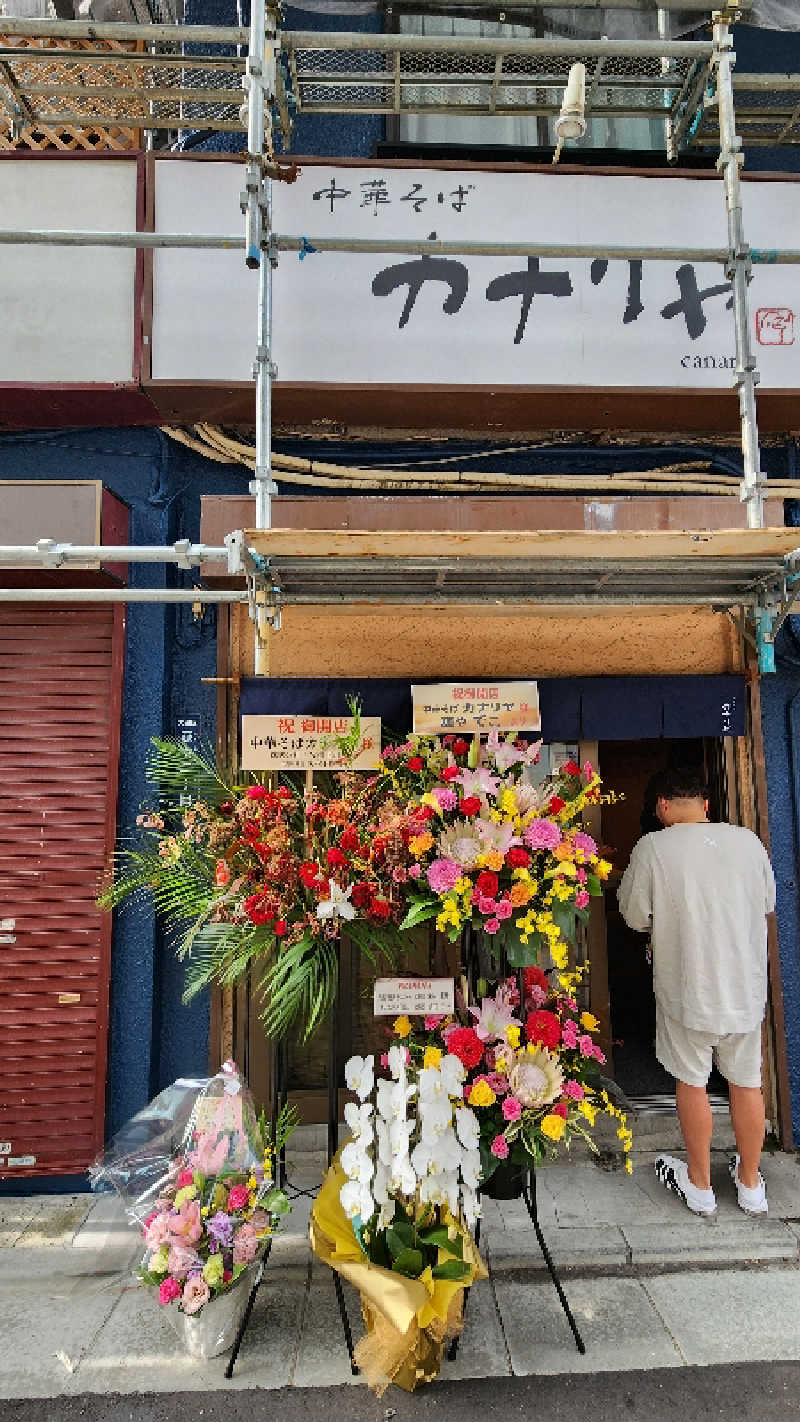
688,1055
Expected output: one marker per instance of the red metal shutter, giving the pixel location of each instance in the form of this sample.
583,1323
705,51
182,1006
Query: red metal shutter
60,703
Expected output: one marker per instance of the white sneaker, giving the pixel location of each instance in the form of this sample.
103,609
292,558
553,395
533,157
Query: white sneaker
674,1175
752,1199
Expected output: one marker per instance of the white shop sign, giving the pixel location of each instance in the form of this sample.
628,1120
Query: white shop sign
362,318
68,312
413,997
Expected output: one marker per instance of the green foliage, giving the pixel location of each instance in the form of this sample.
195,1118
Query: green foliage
419,913
300,987
408,1247
177,770
519,954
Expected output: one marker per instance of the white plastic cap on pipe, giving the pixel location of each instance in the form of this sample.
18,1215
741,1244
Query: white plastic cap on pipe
571,122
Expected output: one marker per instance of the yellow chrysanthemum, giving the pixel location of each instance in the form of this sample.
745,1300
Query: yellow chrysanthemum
401,1026
432,1058
420,843
482,1094
494,860
588,1022
552,1126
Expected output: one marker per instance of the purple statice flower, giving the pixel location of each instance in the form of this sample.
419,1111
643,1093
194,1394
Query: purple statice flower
220,1227
542,834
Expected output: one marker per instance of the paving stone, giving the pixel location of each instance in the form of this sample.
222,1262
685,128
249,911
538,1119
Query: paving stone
585,1248
586,1195
733,1315
482,1349
710,1241
16,1213
322,1357
620,1327
49,1323
56,1221
138,1350
782,1175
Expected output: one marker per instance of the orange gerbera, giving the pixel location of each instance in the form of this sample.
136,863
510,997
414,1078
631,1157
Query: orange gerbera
521,894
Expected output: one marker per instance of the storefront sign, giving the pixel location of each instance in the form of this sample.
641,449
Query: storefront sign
413,997
472,707
358,318
309,743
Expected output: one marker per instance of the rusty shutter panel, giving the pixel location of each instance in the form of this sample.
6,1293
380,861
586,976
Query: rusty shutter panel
60,704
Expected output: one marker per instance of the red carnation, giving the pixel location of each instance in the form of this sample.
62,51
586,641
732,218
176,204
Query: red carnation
335,858
416,762
361,895
379,908
543,1027
570,768
470,805
555,804
308,873
460,746
561,1109
349,840
256,792
518,858
535,977
450,772
487,884
465,1044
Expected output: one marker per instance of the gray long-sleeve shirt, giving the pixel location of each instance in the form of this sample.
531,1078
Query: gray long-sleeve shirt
703,892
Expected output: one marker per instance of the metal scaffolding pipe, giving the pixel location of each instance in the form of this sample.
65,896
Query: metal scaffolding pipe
778,256
739,273
48,553
483,44
190,595
90,29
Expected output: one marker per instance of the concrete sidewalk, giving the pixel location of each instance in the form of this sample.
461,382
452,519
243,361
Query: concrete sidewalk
650,1286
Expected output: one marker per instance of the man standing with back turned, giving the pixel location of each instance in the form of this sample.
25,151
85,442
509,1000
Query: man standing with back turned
703,891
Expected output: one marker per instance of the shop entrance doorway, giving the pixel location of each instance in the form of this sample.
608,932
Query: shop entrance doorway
626,768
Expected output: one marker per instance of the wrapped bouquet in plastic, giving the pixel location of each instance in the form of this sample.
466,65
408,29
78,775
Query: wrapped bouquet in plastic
194,1170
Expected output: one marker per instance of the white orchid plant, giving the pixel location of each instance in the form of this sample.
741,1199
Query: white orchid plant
412,1165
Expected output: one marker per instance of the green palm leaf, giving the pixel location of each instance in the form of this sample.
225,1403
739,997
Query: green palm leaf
177,770
300,987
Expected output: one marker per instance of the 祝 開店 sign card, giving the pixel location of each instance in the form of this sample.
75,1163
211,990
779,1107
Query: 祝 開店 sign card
309,743
472,707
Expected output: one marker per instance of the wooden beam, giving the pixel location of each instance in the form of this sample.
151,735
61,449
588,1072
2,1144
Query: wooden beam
558,544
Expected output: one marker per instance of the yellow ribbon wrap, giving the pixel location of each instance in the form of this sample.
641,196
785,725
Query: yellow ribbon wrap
408,1321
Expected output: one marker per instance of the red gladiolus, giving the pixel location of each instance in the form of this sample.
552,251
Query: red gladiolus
416,763
470,805
460,746
335,858
518,858
349,840
487,884
555,804
543,1027
570,768
465,1044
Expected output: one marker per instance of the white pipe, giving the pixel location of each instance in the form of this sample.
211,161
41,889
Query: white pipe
50,554
483,44
778,256
738,270
153,595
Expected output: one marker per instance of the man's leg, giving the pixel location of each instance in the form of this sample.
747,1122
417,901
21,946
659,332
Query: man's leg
694,1114
747,1116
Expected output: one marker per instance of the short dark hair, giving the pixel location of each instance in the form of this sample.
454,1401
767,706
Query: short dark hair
688,784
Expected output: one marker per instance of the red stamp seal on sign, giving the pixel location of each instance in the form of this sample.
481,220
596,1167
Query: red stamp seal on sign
775,326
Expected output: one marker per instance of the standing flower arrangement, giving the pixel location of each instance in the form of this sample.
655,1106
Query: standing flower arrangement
493,850
531,1073
395,1213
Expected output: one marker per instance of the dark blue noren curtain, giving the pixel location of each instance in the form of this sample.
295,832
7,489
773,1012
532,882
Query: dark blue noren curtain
603,708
